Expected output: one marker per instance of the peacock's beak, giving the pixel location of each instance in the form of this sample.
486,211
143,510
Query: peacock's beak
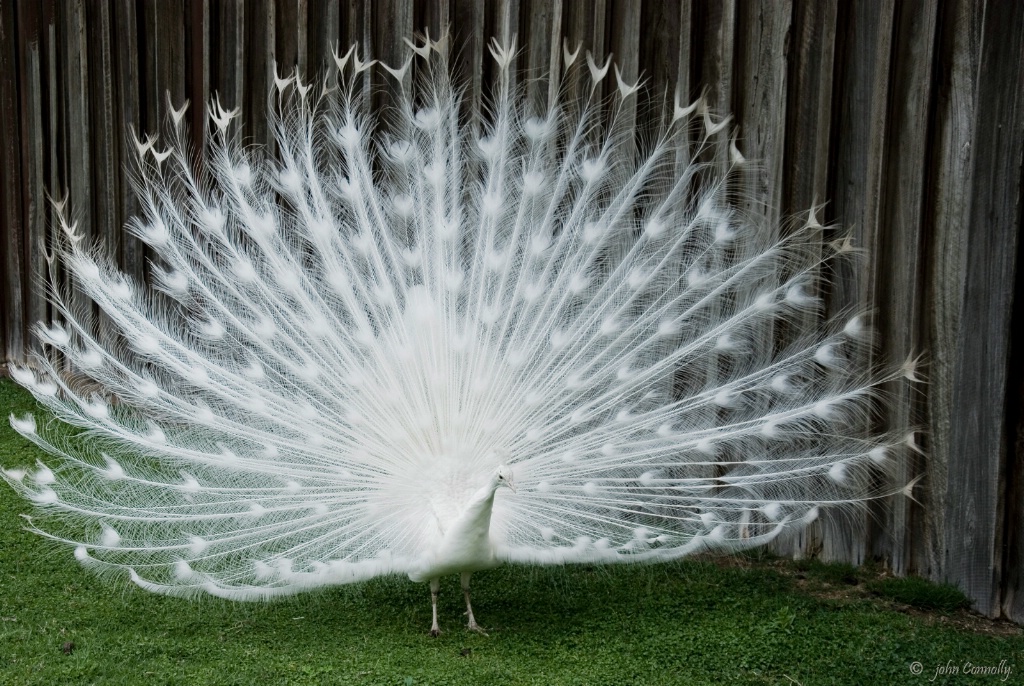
512,486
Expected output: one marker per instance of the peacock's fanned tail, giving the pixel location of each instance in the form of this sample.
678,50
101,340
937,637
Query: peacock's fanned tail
344,339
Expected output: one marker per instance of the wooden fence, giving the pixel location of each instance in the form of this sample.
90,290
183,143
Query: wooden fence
905,117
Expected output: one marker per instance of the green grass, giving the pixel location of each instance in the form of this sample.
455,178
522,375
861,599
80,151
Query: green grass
744,621
921,594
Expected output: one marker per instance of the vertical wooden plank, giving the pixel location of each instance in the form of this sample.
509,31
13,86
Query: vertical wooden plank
104,140
585,27
34,165
624,44
101,135
323,35
55,107
665,57
717,55
804,173
860,93
302,40
535,40
77,127
261,37
166,66
952,180
588,25
809,106
12,310
899,275
229,84
126,65
470,55
864,43
167,72
978,466
195,27
760,109
286,34
507,27
351,30
392,21
435,15
760,102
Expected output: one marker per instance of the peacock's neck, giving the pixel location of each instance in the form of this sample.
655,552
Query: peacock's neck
477,514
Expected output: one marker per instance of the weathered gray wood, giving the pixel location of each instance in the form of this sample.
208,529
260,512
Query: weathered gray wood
286,35
128,112
392,18
16,278
956,116
809,110
897,258
664,52
586,28
104,135
54,180
542,31
196,41
323,35
260,38
230,53
805,171
302,40
624,44
978,465
105,139
166,68
716,58
33,154
80,153
469,50
864,46
760,108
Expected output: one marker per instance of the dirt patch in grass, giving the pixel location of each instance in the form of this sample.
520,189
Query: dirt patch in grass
843,583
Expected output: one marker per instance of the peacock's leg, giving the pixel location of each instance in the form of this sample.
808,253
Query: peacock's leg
472,626
435,587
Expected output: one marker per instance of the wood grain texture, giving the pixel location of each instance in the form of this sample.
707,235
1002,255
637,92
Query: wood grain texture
15,272
955,116
33,168
810,60
80,151
861,89
979,461
899,272
128,113
902,119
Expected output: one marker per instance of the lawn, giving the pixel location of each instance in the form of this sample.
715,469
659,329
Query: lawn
749,620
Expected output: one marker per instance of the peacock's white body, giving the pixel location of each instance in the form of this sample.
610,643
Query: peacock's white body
349,347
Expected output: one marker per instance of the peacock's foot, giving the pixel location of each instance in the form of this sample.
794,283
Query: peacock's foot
435,632
473,626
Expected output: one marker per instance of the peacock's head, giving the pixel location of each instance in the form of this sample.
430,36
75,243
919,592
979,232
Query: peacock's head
503,477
